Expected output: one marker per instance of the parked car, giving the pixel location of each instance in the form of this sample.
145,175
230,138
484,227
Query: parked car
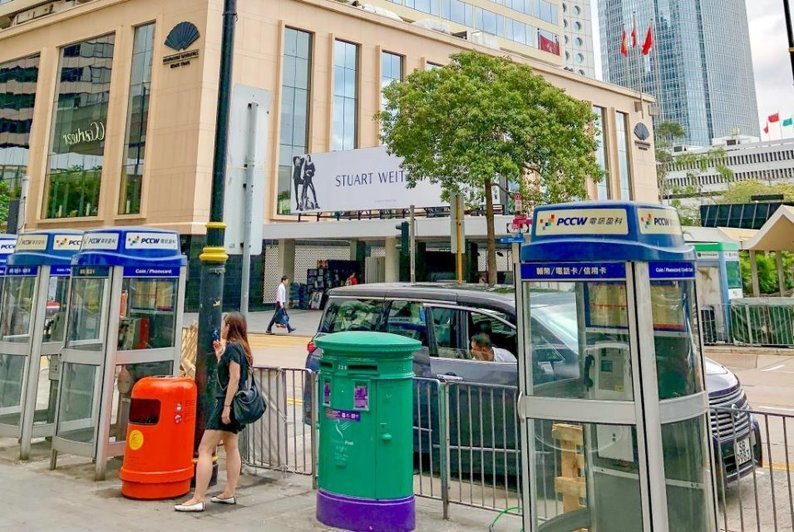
444,317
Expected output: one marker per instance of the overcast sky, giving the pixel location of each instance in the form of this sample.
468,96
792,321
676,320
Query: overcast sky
771,65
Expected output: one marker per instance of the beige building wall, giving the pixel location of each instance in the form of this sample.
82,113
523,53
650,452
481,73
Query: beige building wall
180,139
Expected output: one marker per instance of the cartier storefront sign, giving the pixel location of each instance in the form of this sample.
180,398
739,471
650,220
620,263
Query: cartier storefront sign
94,132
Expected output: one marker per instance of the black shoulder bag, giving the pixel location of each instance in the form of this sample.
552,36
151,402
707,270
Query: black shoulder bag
248,405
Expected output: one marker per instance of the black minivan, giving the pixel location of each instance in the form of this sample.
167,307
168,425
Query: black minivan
445,316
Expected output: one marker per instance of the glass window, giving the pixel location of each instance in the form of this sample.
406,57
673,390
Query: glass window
500,335
137,120
86,320
407,318
734,274
621,120
17,99
148,314
345,135
18,302
391,70
295,108
596,365
77,146
353,315
445,332
57,299
587,458
678,367
688,473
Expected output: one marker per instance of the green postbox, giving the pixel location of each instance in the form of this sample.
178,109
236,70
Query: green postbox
366,431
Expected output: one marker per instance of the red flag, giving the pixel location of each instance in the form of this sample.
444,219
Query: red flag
766,128
624,49
548,45
775,117
648,44
634,35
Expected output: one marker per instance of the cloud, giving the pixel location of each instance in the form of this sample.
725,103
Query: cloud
771,64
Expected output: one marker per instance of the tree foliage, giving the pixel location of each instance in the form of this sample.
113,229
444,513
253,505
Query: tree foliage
767,272
482,119
665,135
743,191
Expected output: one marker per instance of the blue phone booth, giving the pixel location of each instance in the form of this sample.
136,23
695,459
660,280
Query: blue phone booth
614,410
124,323
32,328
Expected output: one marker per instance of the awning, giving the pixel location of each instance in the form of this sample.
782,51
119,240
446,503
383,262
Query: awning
777,234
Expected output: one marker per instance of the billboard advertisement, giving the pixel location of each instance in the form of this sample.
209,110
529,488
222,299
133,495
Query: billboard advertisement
356,180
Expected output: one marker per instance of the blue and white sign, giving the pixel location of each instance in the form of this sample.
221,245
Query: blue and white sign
60,271
22,271
573,271
152,241
671,270
33,242
150,271
587,221
90,271
100,241
7,246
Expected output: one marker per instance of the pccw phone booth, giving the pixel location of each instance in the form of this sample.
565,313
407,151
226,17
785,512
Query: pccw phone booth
32,327
614,410
124,323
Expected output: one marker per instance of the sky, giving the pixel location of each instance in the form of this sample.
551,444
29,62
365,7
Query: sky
774,84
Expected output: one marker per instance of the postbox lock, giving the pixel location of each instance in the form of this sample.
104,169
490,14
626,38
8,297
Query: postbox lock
179,407
178,419
386,436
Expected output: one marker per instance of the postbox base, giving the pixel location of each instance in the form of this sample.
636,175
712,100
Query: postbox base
160,490
352,513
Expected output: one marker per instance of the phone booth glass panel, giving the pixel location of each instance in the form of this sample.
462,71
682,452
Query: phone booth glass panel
614,403
124,323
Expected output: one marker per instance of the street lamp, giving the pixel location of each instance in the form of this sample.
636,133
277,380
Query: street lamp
787,8
213,257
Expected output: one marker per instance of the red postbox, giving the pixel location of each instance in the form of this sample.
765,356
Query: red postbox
158,458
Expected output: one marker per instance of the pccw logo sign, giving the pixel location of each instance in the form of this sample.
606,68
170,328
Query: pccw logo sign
152,241
582,222
659,222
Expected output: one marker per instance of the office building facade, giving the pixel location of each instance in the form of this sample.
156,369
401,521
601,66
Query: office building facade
109,107
700,67
578,37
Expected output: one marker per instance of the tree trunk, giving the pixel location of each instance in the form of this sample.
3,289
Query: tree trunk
491,264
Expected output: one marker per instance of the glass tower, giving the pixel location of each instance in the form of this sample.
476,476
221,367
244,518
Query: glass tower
700,69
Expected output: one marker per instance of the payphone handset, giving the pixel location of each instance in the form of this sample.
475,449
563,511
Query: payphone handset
607,376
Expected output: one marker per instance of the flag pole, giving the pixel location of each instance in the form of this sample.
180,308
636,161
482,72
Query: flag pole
656,68
640,65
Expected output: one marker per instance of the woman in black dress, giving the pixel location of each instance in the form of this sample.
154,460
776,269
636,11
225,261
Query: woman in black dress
234,360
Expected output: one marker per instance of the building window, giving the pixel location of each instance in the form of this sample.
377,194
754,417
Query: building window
17,99
621,120
391,70
295,98
345,96
77,146
137,120
601,153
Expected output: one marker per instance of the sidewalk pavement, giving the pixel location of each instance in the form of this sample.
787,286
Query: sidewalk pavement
304,321
67,499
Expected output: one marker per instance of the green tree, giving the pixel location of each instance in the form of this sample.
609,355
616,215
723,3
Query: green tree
482,119
5,201
743,191
665,135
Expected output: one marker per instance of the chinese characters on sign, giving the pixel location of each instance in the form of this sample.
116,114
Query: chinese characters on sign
573,271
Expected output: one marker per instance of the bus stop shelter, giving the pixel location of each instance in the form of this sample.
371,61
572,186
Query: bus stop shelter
777,235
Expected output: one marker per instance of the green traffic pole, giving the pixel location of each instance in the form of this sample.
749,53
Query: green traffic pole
213,257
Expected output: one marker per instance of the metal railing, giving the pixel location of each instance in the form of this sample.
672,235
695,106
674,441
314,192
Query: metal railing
466,444
754,465
466,448
763,321
281,440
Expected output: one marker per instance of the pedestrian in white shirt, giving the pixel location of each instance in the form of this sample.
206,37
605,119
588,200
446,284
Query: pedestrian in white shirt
280,317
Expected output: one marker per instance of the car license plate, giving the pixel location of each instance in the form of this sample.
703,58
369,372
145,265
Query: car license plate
743,451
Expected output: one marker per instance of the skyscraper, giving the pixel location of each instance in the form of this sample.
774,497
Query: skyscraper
700,68
578,31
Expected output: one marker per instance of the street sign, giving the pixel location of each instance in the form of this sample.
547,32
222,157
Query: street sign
512,239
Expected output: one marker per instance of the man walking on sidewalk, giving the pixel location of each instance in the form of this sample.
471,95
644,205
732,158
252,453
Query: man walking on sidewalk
281,317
